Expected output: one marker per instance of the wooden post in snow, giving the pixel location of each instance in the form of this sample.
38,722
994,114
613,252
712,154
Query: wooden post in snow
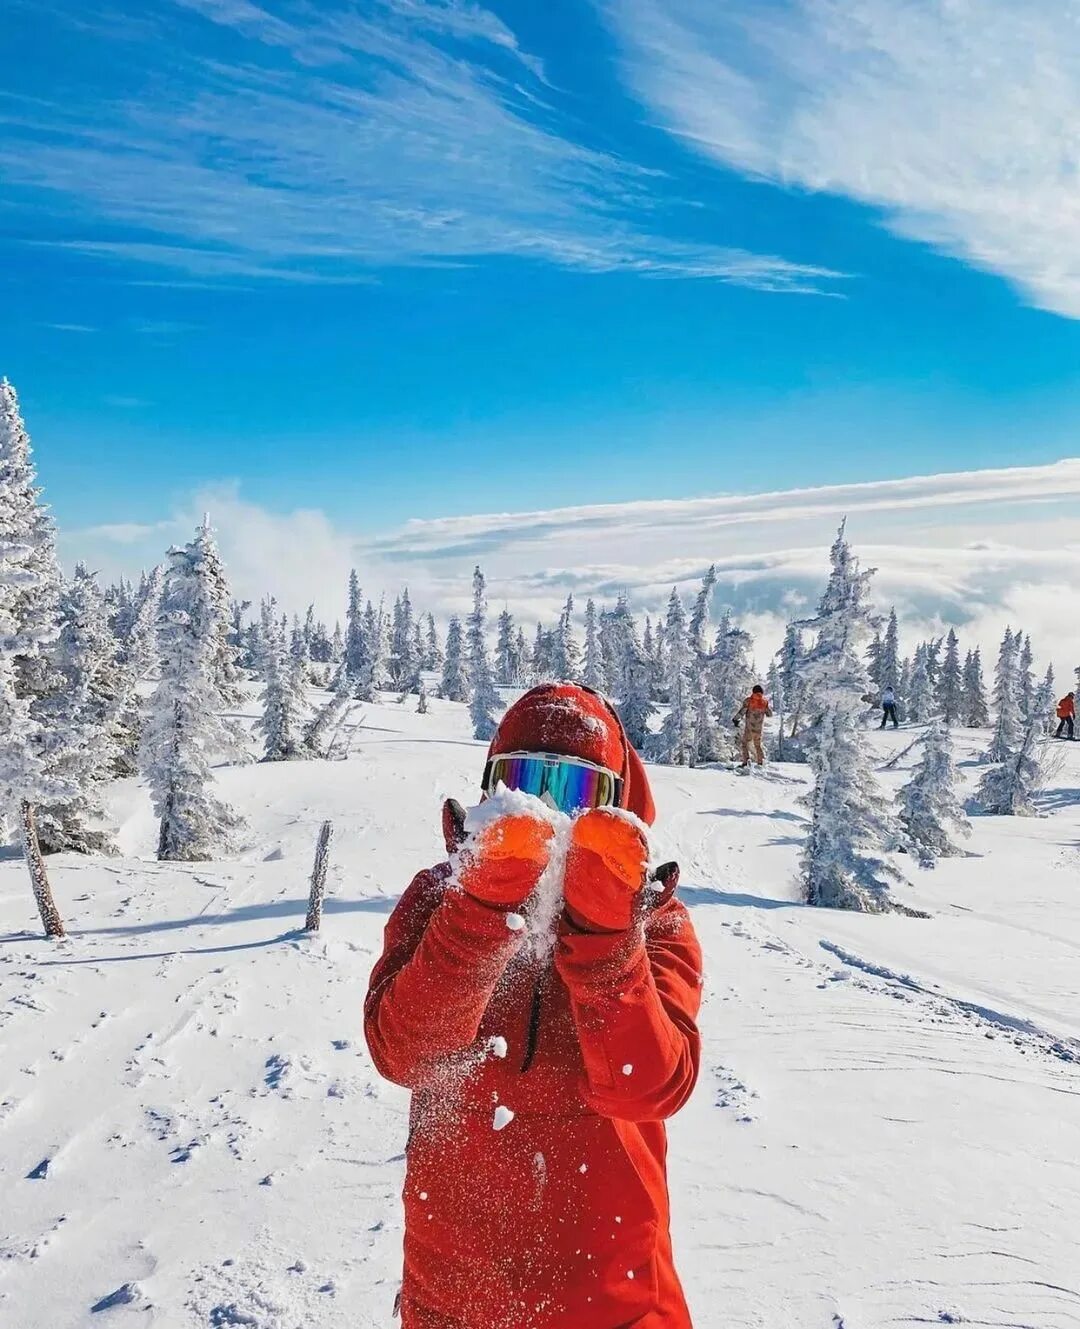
35,863
318,877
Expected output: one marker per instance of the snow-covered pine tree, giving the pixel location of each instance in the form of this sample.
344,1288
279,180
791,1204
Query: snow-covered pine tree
521,654
593,672
1008,788
355,647
421,698
732,670
922,704
790,662
928,803
699,617
507,668
136,659
80,741
951,683
377,642
1043,703
903,687
975,709
183,727
433,655
889,665
873,661
842,862
567,651
285,702
619,640
542,658
1008,720
404,666
635,703
455,679
337,645
226,671
483,700
322,728
674,744
1025,677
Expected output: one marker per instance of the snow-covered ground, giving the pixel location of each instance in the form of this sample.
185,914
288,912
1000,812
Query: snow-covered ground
886,1132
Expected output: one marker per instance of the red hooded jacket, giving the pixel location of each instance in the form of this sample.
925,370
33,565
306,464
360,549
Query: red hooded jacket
556,1217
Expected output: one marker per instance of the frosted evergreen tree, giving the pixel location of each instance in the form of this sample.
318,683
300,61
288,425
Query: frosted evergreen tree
975,708
433,655
226,671
699,617
374,675
873,661
593,672
79,737
635,703
1043,703
951,683
285,702
1008,720
544,656
455,679
337,645
183,728
323,726
842,862
930,812
355,649
675,743
483,699
136,659
421,699
889,665
921,702
1025,678
619,642
567,651
790,663
903,687
1009,787
732,669
404,664
507,664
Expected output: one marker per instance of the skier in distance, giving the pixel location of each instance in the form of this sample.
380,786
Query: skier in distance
751,714
543,1060
888,708
1066,714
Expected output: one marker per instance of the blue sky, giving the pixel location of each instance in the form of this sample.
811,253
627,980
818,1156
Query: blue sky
424,258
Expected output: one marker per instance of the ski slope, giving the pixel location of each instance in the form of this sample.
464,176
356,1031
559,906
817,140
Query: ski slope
886,1132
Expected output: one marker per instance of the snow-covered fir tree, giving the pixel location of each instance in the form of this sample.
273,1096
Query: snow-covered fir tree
922,703
567,651
951,683
355,648
732,669
1025,677
1008,720
454,685
79,739
404,663
790,662
903,686
592,674
929,811
226,671
337,645
285,706
322,728
701,680
619,642
843,866
421,698
1009,787
975,709
635,703
699,616
674,744
507,663
183,727
433,655
1043,705
889,663
483,699
873,661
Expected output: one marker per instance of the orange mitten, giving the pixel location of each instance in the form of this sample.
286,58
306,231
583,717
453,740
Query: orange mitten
503,863
605,871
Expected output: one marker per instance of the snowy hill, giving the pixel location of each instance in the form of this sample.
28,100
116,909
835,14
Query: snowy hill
886,1132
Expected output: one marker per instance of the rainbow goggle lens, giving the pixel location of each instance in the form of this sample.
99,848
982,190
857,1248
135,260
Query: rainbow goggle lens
565,783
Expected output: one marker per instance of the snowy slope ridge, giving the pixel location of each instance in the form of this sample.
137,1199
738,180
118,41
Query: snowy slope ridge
886,1132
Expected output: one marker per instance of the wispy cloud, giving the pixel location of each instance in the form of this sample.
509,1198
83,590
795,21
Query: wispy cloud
955,117
317,142
69,327
973,549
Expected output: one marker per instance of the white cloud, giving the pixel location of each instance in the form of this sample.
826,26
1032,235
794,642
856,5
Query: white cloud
956,117
974,550
337,140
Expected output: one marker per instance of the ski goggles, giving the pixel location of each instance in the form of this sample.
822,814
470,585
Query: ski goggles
565,783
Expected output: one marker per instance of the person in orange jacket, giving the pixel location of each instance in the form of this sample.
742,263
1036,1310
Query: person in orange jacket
752,715
546,1036
1066,713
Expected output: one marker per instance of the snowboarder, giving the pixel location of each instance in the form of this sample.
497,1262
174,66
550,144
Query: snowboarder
542,1063
1066,714
888,708
752,715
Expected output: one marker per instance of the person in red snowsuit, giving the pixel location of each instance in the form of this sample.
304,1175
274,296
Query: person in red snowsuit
536,1186
1066,714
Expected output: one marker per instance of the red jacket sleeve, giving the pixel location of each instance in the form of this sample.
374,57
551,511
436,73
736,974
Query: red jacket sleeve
635,998
443,953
